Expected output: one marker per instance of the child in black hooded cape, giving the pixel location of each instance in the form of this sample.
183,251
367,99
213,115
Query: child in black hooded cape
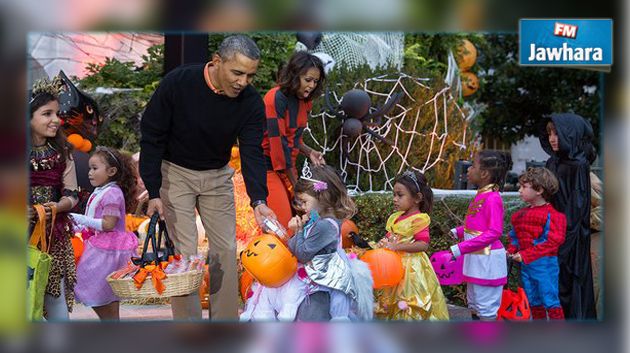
567,139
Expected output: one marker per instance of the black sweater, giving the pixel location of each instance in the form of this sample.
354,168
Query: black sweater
186,123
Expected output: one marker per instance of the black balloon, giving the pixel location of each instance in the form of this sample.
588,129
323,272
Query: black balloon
352,128
310,39
356,103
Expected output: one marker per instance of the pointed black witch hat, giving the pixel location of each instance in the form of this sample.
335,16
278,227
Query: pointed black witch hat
79,112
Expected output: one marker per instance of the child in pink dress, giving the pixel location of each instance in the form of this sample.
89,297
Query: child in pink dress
110,246
485,266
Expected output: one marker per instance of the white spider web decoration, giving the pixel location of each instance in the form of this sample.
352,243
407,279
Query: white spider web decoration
373,165
352,49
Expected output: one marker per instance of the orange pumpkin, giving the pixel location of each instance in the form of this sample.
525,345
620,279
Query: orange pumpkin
246,284
466,55
77,247
269,261
75,140
86,146
348,227
132,222
386,267
470,83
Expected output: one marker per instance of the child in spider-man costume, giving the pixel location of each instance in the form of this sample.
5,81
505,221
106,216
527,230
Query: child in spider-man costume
538,231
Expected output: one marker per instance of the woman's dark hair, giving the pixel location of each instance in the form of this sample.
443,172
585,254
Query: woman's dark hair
417,183
497,164
334,199
125,175
300,62
59,142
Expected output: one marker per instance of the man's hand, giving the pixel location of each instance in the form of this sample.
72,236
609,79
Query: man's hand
261,212
155,205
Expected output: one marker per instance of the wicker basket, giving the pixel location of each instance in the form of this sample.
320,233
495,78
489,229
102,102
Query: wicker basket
176,284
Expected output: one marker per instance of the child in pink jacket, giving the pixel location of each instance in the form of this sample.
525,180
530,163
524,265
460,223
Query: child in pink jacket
485,268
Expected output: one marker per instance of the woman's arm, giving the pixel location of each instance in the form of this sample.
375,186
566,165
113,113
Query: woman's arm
316,157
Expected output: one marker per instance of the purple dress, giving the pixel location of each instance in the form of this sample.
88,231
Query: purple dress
105,252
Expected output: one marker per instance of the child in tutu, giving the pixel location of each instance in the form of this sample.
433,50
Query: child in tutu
328,285
110,246
418,296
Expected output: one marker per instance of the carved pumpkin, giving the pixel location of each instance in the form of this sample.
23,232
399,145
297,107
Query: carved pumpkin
470,83
514,306
386,267
269,261
348,227
448,271
466,55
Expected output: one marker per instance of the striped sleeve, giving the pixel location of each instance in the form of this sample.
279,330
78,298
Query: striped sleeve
279,150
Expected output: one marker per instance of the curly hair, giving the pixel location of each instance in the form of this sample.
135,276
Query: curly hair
497,163
417,183
334,200
125,175
298,65
40,97
541,179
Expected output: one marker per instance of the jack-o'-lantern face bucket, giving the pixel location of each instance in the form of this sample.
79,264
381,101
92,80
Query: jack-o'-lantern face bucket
514,306
269,261
447,270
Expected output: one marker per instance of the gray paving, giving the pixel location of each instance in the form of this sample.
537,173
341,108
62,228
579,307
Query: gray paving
162,312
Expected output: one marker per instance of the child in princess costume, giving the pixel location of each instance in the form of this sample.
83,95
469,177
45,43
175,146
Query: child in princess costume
537,232
110,246
327,285
485,267
418,296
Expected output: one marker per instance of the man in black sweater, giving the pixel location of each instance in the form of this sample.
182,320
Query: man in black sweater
188,129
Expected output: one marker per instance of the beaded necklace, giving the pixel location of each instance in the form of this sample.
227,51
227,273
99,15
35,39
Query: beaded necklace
44,157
